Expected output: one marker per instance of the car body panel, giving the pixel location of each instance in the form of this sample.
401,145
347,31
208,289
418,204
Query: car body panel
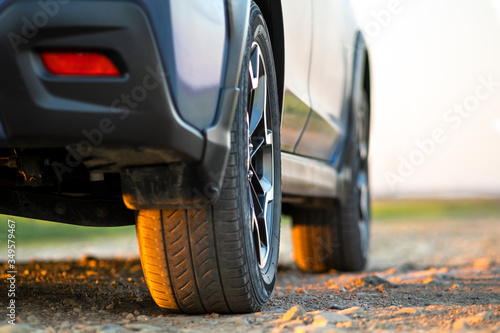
190,71
297,16
328,73
199,51
133,102
319,76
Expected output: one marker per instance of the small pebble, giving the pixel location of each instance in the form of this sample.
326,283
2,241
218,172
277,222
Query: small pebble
406,311
294,313
33,320
460,324
352,311
325,318
64,324
241,321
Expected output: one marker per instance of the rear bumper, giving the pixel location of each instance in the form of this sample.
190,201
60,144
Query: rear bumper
123,123
135,110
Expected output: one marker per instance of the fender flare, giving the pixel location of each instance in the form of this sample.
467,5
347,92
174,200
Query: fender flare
218,137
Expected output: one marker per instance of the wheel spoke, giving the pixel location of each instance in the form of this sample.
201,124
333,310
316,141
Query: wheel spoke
257,237
256,184
260,154
266,215
258,94
256,145
254,65
257,207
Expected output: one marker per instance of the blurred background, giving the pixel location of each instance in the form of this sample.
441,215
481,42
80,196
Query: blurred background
436,97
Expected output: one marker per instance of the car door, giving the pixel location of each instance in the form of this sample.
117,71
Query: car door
330,60
297,17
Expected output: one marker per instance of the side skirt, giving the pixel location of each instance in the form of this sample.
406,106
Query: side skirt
305,177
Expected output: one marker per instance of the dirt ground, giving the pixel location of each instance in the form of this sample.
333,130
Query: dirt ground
423,275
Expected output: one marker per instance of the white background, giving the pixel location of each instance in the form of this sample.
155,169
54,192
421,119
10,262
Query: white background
428,56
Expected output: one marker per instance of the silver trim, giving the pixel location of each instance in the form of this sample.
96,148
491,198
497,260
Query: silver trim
307,177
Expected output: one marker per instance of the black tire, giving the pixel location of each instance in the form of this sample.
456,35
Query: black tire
224,258
337,237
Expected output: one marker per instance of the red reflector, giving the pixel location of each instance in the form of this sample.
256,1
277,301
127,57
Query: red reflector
79,63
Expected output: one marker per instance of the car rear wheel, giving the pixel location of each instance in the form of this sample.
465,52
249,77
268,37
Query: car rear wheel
336,236
223,258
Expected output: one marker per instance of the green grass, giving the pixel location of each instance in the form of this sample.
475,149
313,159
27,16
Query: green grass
435,209
33,231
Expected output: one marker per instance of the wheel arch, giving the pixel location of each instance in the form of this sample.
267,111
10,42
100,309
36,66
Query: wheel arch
361,82
361,70
272,12
367,76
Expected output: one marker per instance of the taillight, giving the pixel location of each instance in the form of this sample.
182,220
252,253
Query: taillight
79,64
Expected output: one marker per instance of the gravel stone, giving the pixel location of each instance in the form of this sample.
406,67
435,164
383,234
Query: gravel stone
406,311
324,318
144,327
480,318
337,307
241,321
375,280
356,310
460,324
112,329
64,324
293,325
294,313
33,320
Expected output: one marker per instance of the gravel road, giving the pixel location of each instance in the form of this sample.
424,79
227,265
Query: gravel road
423,275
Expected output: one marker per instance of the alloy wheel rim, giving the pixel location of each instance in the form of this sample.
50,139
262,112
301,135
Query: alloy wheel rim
363,133
364,125
364,208
260,165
